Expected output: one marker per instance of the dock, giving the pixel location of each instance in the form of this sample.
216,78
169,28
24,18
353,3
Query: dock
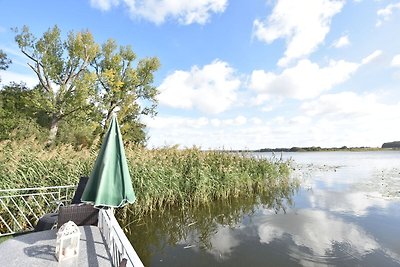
104,244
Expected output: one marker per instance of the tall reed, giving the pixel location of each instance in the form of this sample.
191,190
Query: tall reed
160,177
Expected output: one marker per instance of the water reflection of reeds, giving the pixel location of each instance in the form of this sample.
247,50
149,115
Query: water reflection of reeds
154,231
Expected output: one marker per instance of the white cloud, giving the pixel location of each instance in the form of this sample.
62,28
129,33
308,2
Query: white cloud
342,42
230,133
345,103
386,13
303,81
10,76
376,54
256,120
223,242
331,120
319,232
304,25
350,104
260,98
396,61
238,121
211,89
157,11
353,116
160,122
174,122
104,5
204,132
357,203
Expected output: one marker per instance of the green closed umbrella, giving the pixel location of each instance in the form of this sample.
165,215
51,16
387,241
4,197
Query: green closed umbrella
109,184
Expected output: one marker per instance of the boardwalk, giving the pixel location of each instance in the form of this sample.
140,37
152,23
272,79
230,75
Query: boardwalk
38,249
102,244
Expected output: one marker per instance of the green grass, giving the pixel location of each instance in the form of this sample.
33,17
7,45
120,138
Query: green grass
160,177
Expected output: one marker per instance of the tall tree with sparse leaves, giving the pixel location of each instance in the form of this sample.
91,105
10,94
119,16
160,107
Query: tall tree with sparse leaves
126,88
62,67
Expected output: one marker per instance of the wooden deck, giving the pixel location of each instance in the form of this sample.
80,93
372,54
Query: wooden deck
38,249
104,245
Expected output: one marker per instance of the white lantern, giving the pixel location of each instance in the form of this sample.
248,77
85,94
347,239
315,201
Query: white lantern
67,244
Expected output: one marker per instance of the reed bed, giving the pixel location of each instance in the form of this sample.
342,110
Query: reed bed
161,177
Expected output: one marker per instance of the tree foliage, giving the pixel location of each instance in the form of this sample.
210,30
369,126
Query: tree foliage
81,83
19,117
4,61
121,86
62,70
394,144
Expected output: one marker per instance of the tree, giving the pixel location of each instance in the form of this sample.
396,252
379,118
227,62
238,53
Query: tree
62,69
81,84
18,117
4,61
395,144
121,86
22,115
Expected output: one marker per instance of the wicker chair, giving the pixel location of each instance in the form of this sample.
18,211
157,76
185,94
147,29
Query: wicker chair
49,220
81,214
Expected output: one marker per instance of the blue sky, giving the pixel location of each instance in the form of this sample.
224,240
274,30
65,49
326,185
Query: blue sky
245,74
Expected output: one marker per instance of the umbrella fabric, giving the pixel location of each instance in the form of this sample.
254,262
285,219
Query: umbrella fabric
110,183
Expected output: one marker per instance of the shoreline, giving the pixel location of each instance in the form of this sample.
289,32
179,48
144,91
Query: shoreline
302,150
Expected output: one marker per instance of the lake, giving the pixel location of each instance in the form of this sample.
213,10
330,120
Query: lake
346,212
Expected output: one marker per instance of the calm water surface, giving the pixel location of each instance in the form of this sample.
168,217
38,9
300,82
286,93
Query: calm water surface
345,213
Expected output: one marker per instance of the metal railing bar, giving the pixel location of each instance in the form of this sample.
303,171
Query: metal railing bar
54,198
23,205
59,193
37,203
66,193
12,216
45,200
36,188
28,195
6,224
29,207
26,219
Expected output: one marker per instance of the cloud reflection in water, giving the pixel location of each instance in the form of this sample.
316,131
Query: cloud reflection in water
321,233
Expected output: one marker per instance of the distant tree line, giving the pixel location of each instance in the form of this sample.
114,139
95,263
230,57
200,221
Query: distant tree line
81,83
395,144
315,148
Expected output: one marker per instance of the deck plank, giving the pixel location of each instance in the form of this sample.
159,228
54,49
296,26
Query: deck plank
38,249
